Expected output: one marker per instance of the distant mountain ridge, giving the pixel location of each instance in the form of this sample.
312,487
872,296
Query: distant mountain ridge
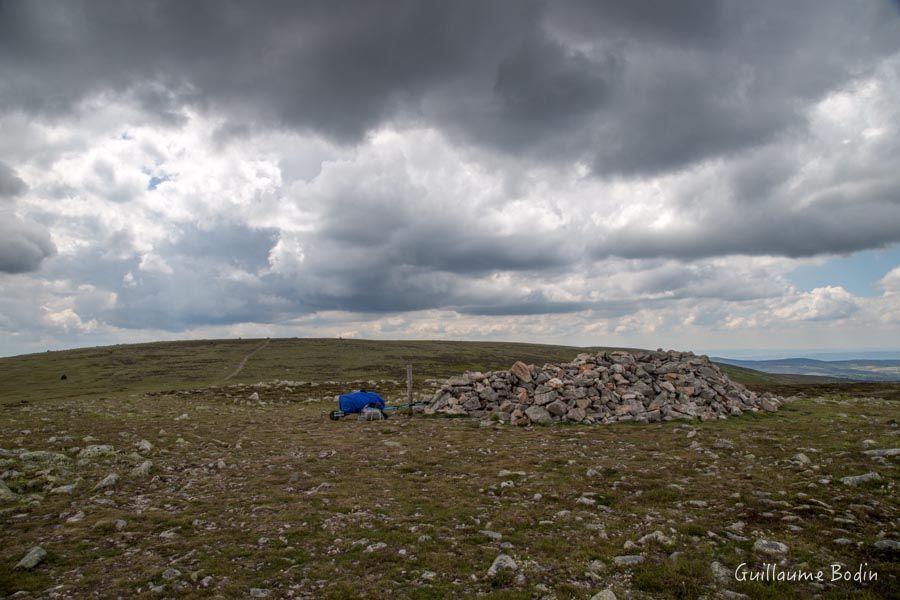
856,370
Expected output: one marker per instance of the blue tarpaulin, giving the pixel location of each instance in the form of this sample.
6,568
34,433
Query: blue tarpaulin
354,402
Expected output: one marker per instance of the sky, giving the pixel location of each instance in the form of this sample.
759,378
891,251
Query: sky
700,174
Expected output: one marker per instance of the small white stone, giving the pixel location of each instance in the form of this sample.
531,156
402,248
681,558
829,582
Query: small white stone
769,547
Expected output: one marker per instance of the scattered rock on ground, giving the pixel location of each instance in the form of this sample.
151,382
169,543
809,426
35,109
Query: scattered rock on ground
769,547
858,479
888,545
657,537
720,572
882,452
502,562
143,469
96,450
107,482
34,557
628,560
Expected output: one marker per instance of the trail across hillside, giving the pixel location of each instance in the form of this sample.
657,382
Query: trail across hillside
246,358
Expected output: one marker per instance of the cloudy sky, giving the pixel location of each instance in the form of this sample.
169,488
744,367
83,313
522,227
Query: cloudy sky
695,174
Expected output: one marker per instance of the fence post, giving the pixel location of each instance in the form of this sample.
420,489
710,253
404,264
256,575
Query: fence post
409,388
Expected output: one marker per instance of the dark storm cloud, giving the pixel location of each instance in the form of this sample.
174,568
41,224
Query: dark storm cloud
23,245
198,288
839,221
628,87
10,183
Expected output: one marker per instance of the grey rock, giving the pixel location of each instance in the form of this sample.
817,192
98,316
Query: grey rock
142,470
538,415
502,562
596,566
96,451
33,558
842,541
657,537
557,408
107,482
720,572
801,459
893,545
606,594
628,560
854,480
769,547
882,453
43,456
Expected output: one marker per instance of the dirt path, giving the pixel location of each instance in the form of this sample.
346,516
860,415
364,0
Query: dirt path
246,358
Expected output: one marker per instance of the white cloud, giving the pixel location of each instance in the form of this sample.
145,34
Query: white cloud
412,233
820,304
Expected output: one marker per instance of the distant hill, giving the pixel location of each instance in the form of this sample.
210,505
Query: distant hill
854,370
135,368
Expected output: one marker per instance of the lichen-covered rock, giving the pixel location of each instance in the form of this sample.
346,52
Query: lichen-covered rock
607,387
96,451
34,557
522,371
853,480
769,547
503,562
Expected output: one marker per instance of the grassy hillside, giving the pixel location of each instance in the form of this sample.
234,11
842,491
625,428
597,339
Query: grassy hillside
753,378
852,370
112,369
192,364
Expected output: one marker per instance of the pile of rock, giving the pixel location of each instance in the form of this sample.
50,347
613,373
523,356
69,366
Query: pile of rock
607,387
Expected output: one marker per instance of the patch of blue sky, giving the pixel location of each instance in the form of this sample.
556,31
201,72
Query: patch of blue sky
155,181
858,273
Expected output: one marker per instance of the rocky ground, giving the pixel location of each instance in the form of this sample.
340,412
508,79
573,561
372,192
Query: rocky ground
242,491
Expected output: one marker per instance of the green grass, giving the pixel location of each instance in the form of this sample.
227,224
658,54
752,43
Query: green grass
683,578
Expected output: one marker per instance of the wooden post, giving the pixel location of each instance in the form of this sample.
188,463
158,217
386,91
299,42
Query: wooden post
409,388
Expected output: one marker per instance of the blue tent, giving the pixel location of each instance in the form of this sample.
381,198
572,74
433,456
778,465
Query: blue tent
354,402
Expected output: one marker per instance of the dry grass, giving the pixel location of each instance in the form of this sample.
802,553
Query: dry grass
321,492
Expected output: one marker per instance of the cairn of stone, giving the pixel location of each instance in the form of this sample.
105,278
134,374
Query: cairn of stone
607,387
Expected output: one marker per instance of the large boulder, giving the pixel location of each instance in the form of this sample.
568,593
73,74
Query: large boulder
522,371
538,415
